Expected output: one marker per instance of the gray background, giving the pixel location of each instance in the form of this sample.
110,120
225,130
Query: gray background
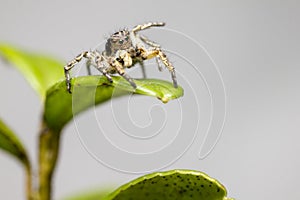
256,46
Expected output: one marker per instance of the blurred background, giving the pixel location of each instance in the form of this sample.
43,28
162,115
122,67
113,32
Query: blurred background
254,44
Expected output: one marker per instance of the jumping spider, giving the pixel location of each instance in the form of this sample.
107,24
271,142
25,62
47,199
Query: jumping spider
123,49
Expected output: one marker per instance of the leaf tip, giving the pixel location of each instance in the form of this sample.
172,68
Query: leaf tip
164,99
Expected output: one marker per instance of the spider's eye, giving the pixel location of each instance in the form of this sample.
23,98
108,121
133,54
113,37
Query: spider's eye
113,40
126,38
121,41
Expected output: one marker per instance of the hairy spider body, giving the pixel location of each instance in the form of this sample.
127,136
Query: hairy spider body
123,49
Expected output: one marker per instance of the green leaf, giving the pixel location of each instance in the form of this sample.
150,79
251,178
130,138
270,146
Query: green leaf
11,144
39,70
88,91
172,185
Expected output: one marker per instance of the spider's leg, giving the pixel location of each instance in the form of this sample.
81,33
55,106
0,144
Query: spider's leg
147,25
88,67
102,65
143,69
160,67
147,41
153,44
157,52
119,68
72,63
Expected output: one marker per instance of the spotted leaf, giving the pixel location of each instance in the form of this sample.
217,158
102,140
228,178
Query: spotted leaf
172,185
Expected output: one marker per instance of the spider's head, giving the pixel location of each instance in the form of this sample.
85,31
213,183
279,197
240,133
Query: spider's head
118,41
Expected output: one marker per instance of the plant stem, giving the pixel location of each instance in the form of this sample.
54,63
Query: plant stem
30,193
48,153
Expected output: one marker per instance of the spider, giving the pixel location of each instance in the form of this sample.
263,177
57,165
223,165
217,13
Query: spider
123,49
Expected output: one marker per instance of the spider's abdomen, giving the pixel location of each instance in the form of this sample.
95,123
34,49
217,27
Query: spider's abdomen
118,41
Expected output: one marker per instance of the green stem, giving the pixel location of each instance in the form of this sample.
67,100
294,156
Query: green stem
30,193
48,153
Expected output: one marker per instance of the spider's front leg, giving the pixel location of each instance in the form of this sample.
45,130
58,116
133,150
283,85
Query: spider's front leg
147,25
72,63
157,52
102,65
